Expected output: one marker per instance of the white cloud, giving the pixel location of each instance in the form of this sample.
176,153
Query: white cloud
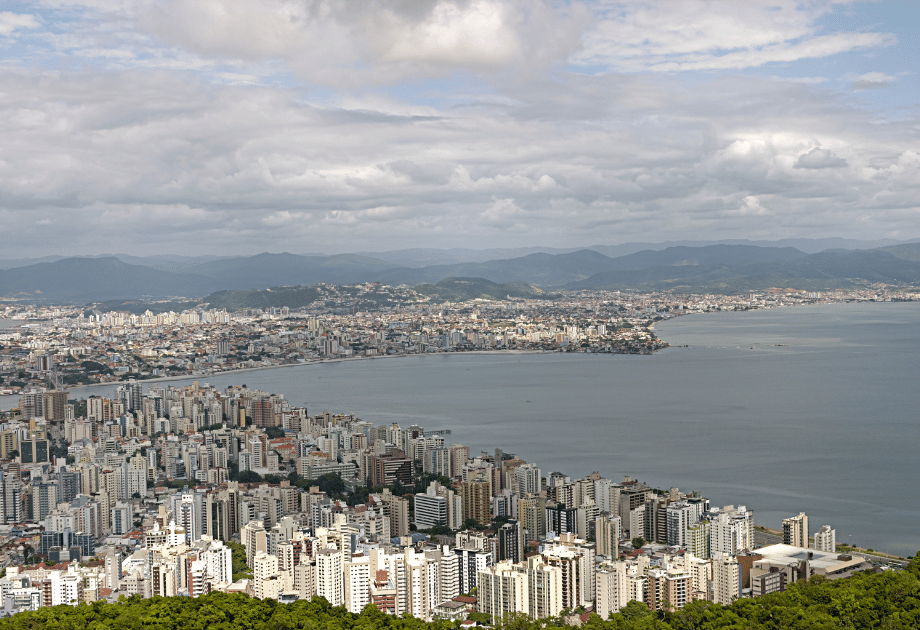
11,22
751,206
361,42
685,35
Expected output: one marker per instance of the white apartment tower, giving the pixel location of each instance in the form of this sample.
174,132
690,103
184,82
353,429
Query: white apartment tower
357,584
330,576
826,539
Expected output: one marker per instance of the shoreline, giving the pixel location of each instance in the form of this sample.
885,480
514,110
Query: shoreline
166,379
182,377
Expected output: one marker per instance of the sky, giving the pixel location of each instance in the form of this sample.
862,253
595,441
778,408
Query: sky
233,127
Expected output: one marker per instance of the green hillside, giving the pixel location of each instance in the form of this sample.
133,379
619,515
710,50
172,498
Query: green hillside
462,289
292,297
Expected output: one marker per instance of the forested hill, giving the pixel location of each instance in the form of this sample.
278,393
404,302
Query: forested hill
890,600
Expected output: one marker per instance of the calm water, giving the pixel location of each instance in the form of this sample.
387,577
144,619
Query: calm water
805,408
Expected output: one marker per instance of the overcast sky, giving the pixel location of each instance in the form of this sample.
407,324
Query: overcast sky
234,127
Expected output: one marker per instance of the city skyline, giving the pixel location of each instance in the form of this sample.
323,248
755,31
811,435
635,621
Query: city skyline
215,128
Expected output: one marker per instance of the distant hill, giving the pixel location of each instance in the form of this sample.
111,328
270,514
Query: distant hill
558,270
462,289
426,257
293,297
12,263
78,280
246,281
806,245
826,270
92,279
905,251
540,268
707,255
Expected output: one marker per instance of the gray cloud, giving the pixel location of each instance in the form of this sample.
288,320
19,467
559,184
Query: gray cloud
154,162
186,133
819,158
872,81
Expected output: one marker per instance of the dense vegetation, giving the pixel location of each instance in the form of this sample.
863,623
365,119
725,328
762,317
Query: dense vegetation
462,289
292,297
888,600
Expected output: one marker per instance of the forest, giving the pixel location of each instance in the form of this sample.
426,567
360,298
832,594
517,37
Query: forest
888,599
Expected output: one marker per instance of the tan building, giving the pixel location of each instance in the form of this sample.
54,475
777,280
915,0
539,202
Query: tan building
477,497
668,590
726,580
795,531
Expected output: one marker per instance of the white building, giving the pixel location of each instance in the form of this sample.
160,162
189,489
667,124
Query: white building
357,581
330,565
826,539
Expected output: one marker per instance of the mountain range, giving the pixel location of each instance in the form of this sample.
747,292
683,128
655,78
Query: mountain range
719,268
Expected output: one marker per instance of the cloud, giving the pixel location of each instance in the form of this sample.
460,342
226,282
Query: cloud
505,213
361,42
10,22
872,80
167,162
356,44
751,206
221,126
819,158
686,35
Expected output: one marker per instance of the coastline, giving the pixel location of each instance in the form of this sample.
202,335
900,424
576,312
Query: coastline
183,377
166,379
713,326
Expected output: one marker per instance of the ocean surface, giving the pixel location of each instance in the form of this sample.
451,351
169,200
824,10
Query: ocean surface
810,409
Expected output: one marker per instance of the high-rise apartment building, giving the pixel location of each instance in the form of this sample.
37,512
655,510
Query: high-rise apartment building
263,414
726,579
430,509
502,590
510,542
477,497
795,530
330,582
527,480
826,539
607,534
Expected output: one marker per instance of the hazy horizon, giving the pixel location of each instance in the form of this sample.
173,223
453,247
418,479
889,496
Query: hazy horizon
478,253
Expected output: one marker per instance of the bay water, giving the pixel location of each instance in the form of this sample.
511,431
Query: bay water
810,408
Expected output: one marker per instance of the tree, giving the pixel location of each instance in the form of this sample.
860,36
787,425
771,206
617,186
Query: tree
331,484
248,476
240,568
638,542
273,433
